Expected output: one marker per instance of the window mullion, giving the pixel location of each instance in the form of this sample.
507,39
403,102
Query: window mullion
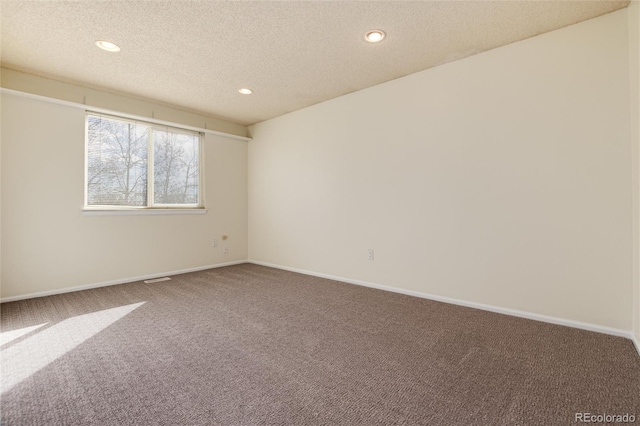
150,162
201,170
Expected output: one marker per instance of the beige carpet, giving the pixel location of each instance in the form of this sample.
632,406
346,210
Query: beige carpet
250,345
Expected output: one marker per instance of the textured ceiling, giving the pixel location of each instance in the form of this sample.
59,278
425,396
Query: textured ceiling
196,54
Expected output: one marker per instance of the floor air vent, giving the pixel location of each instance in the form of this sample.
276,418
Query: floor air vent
157,280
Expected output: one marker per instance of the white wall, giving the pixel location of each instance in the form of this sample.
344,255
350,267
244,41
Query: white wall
634,80
47,242
501,179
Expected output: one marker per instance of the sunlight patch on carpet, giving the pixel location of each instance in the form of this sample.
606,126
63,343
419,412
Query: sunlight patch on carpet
26,357
10,336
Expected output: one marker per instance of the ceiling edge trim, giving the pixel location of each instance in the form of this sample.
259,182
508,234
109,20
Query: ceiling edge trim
51,88
91,108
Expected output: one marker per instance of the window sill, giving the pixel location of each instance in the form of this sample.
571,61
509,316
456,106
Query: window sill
87,211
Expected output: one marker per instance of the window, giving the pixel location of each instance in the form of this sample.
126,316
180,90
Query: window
133,164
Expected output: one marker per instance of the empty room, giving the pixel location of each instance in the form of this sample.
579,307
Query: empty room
319,212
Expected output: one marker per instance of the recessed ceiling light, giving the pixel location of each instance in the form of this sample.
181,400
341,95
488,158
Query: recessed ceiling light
374,36
245,91
107,45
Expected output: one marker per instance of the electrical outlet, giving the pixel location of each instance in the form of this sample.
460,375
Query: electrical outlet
225,249
370,254
214,243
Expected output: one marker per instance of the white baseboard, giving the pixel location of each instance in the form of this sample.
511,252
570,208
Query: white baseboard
514,312
636,342
120,281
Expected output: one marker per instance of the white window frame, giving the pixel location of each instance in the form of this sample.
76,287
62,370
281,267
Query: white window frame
151,207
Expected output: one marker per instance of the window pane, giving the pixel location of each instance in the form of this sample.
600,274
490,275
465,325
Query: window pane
116,162
175,167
